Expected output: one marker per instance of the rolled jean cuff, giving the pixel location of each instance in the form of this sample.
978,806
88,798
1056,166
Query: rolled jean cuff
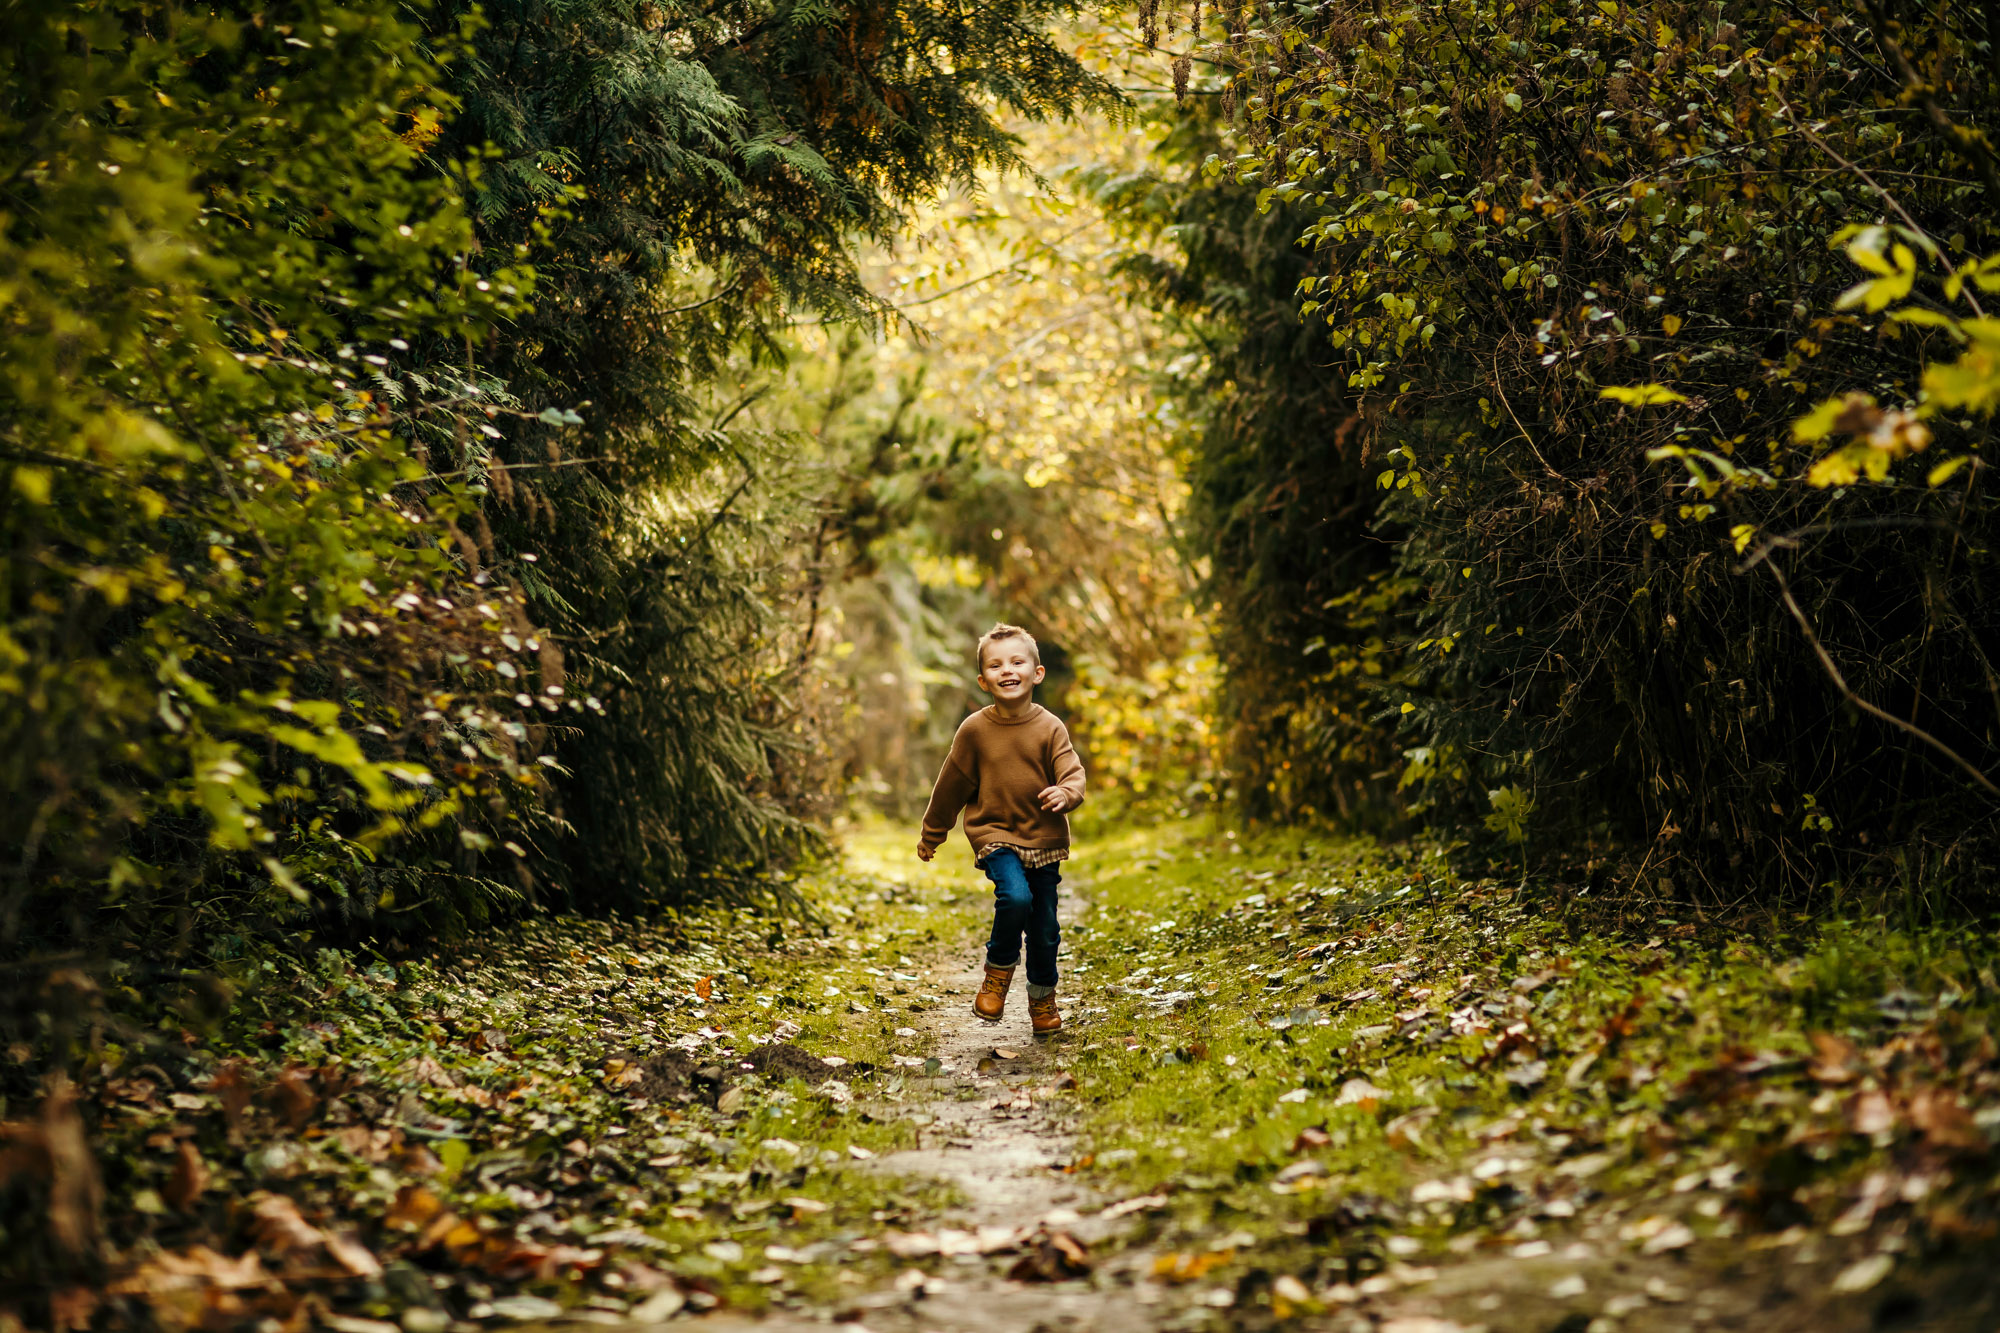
1040,992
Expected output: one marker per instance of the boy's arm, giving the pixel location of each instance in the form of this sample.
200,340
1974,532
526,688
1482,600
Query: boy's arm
1068,770
948,797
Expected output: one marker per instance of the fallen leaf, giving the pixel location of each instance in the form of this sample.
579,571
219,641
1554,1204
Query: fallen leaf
704,988
1871,1112
193,1268
1297,1171
1288,1291
188,1179
1836,1058
524,1308
414,1208
1862,1274
1309,1138
1053,1256
1182,1267
352,1255
428,1072
1944,1121
278,1227
1002,1053
233,1089
53,1149
1359,1092
292,1098
1126,1207
658,1308
1672,1237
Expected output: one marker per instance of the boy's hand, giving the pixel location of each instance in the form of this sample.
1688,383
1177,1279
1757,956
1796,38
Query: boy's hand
925,853
1054,800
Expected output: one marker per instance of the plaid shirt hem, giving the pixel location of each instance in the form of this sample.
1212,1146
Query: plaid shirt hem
1032,858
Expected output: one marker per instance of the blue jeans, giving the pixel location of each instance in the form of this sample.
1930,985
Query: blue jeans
1024,903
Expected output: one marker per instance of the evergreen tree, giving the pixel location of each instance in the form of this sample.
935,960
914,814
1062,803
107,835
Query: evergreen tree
687,181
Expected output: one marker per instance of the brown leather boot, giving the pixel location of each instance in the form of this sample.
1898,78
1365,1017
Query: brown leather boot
1042,1014
991,1001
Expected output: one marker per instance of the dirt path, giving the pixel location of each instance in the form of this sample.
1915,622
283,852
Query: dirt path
991,1125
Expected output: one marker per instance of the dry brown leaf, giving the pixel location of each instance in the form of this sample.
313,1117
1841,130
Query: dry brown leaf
1359,1092
233,1090
1945,1121
188,1179
278,1227
704,988
195,1266
420,1161
1052,1256
1835,1060
413,1209
352,1255
291,1097
71,1308
1871,1112
425,1070
1310,1138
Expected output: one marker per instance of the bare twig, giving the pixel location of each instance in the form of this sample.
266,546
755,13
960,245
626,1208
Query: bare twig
1847,691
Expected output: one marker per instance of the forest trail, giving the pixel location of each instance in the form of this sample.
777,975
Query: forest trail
1305,1082
989,1127
1501,1221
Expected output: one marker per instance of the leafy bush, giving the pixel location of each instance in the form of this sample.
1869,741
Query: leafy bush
245,644
1516,208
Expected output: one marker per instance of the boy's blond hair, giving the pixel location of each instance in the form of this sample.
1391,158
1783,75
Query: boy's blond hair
999,632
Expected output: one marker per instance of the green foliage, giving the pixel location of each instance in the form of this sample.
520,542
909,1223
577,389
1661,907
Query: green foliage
1515,208
689,180
1303,614
310,575
240,650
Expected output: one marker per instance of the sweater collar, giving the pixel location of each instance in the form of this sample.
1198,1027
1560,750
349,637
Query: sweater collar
992,714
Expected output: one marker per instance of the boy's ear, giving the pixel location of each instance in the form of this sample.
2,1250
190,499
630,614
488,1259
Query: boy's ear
1041,674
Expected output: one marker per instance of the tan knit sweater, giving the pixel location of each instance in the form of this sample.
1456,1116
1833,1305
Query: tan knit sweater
996,768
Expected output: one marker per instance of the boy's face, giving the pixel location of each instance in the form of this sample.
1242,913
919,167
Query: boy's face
1008,672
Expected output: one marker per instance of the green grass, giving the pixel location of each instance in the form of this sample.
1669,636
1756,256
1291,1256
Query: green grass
1468,1067
496,1071
1237,993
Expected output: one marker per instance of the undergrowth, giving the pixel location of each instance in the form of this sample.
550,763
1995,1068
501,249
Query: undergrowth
618,1115
1341,1066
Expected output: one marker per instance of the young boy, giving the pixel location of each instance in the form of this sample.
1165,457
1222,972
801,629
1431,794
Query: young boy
1013,771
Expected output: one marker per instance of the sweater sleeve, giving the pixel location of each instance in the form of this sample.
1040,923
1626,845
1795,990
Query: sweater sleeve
1066,766
948,797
